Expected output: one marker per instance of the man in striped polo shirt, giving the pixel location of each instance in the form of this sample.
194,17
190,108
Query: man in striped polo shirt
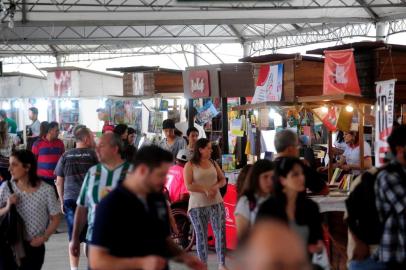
99,181
48,150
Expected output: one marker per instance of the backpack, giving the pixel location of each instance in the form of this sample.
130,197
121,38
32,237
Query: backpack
363,217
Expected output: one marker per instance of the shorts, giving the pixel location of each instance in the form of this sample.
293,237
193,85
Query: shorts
69,207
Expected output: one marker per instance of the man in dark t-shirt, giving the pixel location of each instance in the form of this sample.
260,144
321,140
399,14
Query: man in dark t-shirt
70,172
287,145
131,229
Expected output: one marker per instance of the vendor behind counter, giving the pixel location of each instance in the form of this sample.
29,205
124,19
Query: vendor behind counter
350,160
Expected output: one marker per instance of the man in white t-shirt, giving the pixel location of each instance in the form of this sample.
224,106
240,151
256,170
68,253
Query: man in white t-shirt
183,126
35,126
350,160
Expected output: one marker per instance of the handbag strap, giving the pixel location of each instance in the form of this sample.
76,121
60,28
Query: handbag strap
10,186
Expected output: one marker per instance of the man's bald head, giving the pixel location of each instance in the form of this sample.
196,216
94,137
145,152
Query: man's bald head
273,245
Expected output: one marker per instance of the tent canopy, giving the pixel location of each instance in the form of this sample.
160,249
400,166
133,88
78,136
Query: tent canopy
87,26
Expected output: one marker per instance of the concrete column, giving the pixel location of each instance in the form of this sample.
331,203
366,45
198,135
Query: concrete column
195,55
58,60
381,31
246,49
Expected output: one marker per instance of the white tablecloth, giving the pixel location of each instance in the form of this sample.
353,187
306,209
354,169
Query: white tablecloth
328,203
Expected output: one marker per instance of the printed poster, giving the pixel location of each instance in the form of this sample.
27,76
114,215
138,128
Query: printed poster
236,127
385,96
206,113
340,75
269,84
155,122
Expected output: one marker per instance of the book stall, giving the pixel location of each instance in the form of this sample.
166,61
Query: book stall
150,95
213,90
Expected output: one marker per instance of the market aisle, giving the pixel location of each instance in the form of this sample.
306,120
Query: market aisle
57,259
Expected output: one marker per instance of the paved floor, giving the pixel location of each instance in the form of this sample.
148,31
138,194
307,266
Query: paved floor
56,257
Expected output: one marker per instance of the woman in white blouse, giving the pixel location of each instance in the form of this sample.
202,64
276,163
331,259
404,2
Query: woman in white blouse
257,189
350,160
37,205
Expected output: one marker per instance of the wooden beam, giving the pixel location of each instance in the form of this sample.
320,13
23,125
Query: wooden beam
260,105
340,99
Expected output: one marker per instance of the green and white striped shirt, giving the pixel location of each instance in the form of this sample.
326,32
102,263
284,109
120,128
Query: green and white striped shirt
98,182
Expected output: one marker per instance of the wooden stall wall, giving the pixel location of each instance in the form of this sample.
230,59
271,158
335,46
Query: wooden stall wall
391,64
166,82
237,80
308,78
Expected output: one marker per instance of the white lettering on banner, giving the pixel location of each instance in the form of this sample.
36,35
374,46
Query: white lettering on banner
197,85
385,93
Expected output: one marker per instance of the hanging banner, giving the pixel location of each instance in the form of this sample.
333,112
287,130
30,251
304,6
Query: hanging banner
199,83
385,96
329,116
63,83
269,84
340,75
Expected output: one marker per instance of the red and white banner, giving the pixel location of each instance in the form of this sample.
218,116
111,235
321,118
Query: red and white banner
63,83
269,84
340,75
199,84
329,116
385,96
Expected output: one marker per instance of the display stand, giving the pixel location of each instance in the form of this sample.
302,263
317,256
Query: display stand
219,81
258,106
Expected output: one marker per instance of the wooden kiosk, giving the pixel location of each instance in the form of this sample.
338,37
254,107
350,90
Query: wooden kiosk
359,103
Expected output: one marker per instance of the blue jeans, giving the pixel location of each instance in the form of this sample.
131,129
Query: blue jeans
69,207
369,264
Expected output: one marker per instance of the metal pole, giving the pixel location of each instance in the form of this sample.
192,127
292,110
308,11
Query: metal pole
361,115
190,117
330,155
224,124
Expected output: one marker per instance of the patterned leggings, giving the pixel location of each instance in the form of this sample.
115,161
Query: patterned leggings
200,218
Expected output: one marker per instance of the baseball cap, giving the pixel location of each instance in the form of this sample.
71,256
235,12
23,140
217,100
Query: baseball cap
168,124
183,155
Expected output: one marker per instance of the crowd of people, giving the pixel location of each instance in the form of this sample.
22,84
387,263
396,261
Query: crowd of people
116,200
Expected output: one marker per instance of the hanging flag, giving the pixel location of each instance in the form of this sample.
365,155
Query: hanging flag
385,96
340,75
62,83
329,116
269,84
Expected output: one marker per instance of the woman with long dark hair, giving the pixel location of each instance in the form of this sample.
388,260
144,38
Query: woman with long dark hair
256,190
122,130
289,204
37,205
242,178
203,179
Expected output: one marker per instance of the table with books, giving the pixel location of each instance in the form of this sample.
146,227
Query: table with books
334,202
